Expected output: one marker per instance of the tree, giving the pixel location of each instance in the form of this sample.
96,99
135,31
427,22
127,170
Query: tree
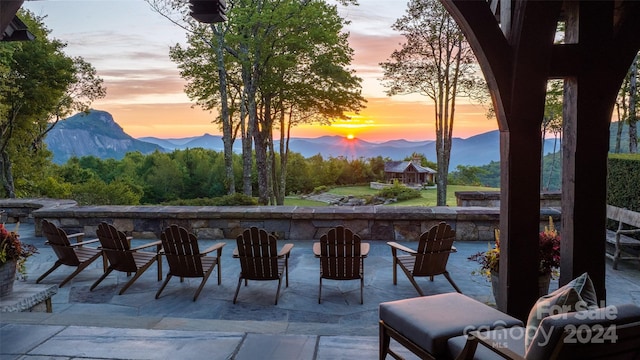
626,108
437,62
40,86
633,102
552,122
284,63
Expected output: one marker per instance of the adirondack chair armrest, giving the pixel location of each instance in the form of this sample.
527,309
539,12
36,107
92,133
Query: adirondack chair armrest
157,244
78,244
77,236
286,249
628,231
395,246
217,246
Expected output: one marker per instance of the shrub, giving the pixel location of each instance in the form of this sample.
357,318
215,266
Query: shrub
236,199
399,192
320,189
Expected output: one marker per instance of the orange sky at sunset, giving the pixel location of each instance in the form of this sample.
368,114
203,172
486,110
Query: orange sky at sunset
128,44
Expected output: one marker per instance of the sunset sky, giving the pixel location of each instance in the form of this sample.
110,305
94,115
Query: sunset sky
128,44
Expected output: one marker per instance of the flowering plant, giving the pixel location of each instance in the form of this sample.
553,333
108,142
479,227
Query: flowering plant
11,248
549,254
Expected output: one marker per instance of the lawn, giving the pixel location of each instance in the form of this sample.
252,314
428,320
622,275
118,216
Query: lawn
429,196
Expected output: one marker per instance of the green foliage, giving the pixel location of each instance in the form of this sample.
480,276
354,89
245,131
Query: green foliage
467,175
399,192
40,85
622,182
236,199
320,189
98,192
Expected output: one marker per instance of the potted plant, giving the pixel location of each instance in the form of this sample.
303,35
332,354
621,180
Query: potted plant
549,257
13,255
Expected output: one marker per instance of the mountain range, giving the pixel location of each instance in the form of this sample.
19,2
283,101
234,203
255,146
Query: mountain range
97,134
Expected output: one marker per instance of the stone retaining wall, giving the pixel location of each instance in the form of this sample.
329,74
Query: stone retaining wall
388,223
492,198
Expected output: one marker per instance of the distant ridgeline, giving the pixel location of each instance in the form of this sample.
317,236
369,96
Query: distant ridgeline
99,135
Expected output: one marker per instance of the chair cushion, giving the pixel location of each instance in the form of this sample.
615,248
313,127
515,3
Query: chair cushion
578,294
511,338
551,328
429,321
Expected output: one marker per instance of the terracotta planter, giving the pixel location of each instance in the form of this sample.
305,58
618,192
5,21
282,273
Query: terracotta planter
543,285
7,277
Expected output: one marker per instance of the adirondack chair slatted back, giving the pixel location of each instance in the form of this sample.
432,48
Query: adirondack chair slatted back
258,254
60,244
340,256
433,250
182,252
117,248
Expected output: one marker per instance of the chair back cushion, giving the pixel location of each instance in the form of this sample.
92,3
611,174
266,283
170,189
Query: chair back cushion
578,294
60,244
258,254
340,255
116,247
433,250
611,332
182,252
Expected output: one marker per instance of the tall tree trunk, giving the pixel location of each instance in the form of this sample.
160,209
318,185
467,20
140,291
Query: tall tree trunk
633,99
618,130
554,157
7,176
247,108
225,118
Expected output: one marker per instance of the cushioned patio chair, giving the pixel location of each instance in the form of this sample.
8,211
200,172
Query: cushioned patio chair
117,248
430,259
341,254
71,254
180,248
612,332
260,259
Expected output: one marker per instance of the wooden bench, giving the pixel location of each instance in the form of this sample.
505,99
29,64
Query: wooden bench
619,238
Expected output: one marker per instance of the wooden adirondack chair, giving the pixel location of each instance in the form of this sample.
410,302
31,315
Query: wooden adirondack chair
260,259
429,259
68,253
180,248
341,254
116,247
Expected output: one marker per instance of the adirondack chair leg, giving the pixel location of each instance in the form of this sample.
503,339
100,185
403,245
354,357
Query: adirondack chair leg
159,261
278,291
219,271
106,273
361,290
204,280
79,269
166,281
238,289
446,274
413,281
130,282
320,291
395,267
55,266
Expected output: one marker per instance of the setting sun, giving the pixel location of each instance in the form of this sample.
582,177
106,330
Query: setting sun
350,137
